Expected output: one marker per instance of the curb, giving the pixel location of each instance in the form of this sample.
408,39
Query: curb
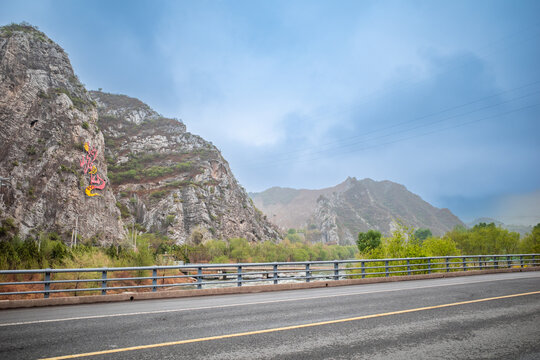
132,296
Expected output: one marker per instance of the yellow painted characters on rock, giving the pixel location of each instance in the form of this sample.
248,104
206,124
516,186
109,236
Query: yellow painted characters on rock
89,192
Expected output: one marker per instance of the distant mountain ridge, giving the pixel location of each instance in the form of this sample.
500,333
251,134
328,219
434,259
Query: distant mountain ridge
338,213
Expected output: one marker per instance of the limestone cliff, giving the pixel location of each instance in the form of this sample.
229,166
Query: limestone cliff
46,117
170,181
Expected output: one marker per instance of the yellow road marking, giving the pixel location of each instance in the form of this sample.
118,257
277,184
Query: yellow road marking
293,327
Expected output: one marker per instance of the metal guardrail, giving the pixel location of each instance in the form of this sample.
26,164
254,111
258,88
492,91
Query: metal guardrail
199,275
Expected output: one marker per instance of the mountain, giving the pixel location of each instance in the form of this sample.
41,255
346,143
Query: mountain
104,161
337,214
171,181
46,117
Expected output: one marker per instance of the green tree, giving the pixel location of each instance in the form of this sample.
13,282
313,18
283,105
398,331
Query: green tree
216,248
422,234
484,239
239,249
300,254
368,240
435,246
294,237
531,242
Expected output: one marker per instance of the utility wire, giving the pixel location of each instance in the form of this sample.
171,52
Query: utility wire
488,46
346,139
354,150
368,139
426,133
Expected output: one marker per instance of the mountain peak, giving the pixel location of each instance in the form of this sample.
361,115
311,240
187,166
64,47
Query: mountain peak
122,106
338,213
46,117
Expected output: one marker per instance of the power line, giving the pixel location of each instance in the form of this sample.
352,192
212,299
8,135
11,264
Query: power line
384,135
413,136
360,101
345,139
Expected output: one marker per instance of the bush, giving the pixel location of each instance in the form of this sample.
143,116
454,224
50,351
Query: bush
124,211
369,240
222,259
440,247
159,194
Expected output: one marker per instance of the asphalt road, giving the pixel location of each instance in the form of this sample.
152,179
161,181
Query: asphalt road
493,316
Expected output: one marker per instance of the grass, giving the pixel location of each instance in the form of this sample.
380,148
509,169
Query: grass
78,102
9,30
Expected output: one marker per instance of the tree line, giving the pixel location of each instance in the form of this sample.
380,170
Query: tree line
482,239
49,251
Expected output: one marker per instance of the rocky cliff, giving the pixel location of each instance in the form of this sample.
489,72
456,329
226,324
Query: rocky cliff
337,214
46,117
61,166
170,181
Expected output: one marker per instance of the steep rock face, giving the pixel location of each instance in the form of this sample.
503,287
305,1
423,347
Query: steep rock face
170,181
337,214
46,116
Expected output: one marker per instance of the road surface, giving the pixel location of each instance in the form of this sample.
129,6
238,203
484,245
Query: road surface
493,316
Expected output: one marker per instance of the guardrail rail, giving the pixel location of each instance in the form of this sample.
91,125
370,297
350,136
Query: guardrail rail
55,281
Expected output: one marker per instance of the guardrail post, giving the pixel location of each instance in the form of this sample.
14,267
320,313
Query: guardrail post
521,261
447,266
496,262
429,265
47,283
408,267
239,283
199,277
104,282
308,273
464,264
533,260
386,268
154,280
275,275
363,269
480,262
336,270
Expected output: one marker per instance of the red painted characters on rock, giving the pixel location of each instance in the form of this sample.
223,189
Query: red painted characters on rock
87,163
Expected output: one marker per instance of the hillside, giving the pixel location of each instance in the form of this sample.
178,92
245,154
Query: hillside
99,162
338,213
46,117
170,181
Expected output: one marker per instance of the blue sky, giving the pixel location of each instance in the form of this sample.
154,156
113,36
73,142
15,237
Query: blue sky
441,96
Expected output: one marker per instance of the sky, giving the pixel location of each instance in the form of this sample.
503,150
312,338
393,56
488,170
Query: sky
440,96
